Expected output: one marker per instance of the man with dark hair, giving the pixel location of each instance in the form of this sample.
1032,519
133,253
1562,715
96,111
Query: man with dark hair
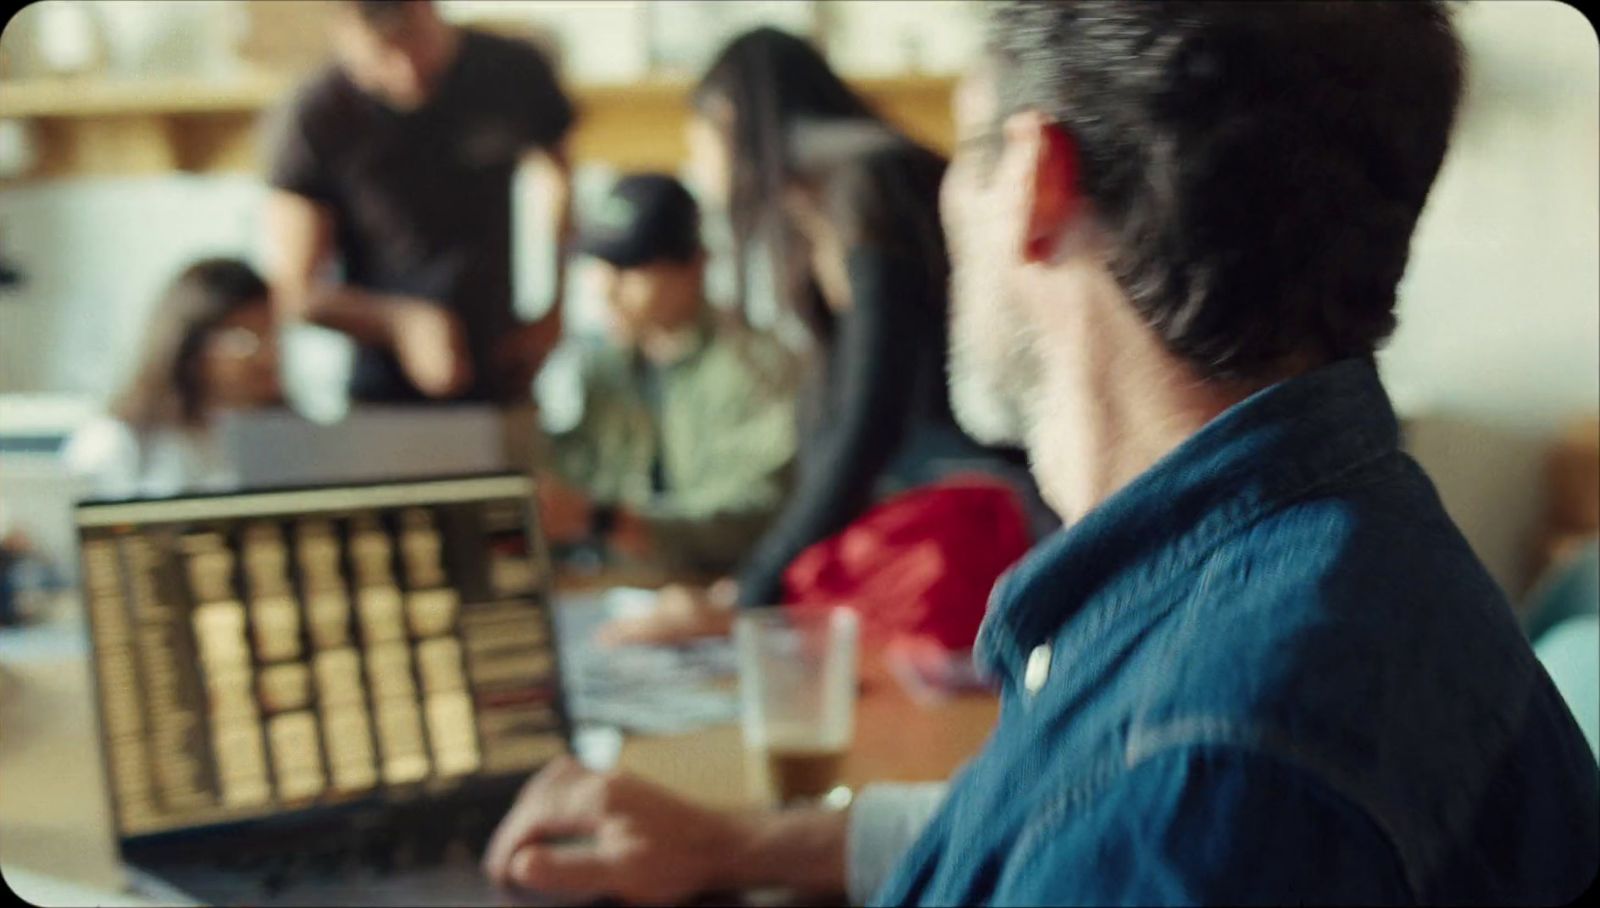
1260,665
676,447
399,163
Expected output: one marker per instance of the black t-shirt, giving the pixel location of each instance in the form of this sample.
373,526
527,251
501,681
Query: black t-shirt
422,199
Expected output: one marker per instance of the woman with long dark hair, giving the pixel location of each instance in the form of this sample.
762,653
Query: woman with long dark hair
840,210
210,345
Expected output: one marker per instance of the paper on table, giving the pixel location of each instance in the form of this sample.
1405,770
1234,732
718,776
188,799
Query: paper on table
42,889
931,674
644,689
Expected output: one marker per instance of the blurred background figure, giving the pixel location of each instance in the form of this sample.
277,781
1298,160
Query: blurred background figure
1563,624
210,346
398,162
843,208
679,449
118,115
17,551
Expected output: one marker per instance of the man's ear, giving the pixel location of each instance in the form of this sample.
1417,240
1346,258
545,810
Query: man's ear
1052,195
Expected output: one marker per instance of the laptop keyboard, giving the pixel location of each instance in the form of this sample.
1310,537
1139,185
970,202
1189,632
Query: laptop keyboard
389,845
414,862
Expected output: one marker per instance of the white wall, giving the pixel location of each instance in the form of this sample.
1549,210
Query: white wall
623,40
95,254
612,40
890,37
1500,309
1499,338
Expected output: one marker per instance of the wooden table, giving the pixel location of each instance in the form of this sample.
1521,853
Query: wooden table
896,741
55,820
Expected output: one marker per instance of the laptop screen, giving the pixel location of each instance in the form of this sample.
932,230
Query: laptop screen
264,655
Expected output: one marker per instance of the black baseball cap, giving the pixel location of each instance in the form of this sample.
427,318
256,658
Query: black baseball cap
645,218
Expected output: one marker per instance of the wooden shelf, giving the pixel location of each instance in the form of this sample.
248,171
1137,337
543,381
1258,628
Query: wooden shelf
94,97
88,126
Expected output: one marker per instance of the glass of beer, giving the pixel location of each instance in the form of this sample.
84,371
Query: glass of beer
797,685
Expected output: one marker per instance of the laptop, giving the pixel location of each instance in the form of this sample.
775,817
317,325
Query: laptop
373,442
321,696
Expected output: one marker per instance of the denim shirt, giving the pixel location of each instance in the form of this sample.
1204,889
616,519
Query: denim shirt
1269,670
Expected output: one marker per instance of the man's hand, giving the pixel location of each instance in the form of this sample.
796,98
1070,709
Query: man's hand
631,536
577,832
565,513
429,342
520,354
681,614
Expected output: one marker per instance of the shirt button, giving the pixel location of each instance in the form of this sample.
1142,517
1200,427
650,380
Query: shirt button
1038,670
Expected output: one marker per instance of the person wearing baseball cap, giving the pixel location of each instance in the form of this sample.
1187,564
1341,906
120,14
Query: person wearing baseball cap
678,452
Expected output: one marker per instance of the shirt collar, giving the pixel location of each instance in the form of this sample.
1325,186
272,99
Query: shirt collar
1275,446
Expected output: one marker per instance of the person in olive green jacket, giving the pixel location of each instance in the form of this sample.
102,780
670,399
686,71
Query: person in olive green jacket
676,445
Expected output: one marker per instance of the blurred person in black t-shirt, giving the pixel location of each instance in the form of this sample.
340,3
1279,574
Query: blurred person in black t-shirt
397,161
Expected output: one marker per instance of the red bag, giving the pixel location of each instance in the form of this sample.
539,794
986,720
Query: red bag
919,567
